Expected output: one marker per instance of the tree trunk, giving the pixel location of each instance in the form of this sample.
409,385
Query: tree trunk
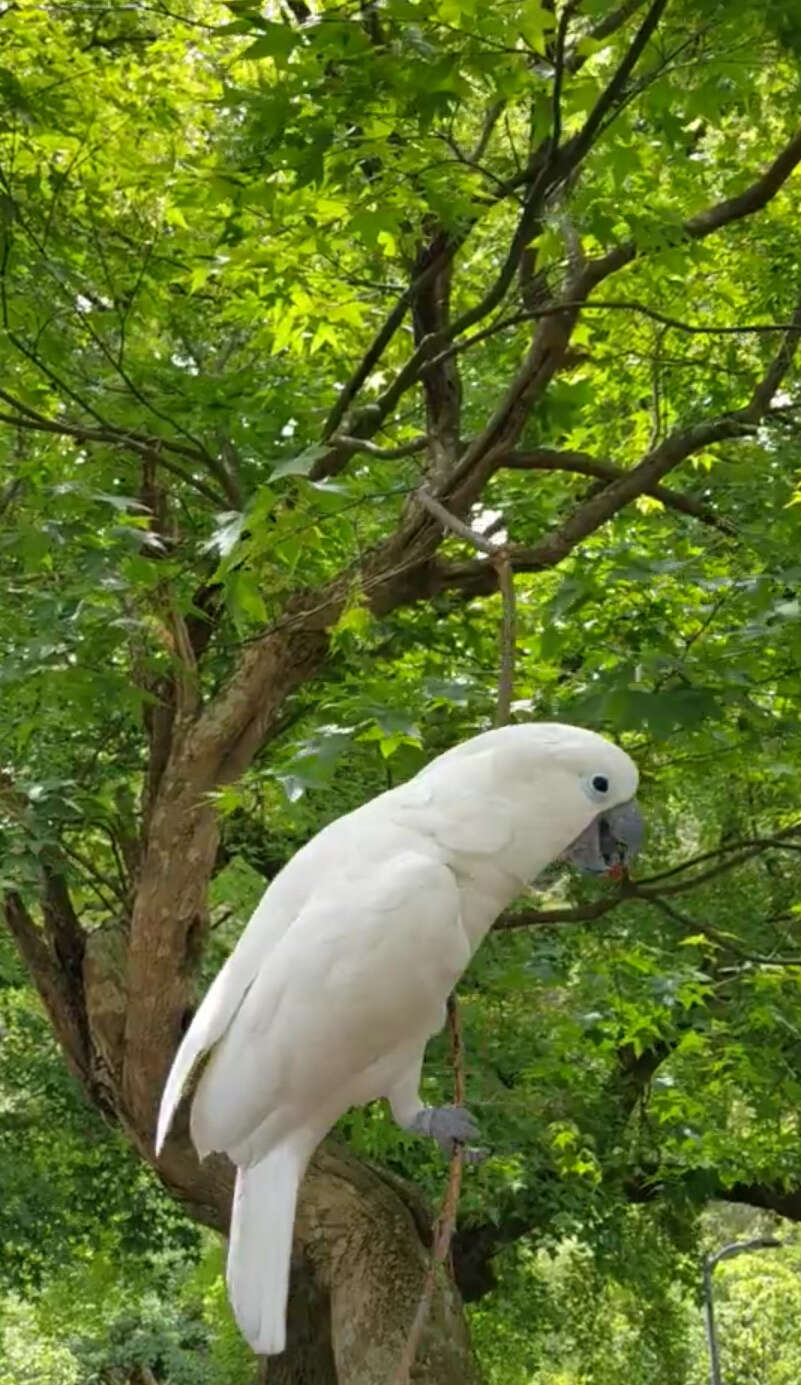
362,1240
360,1257
362,1237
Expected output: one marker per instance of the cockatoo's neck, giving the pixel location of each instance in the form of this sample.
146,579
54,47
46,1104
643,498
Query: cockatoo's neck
485,890
497,819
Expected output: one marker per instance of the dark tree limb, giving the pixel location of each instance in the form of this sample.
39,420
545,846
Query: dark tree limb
442,385
582,464
668,454
59,988
713,218
580,144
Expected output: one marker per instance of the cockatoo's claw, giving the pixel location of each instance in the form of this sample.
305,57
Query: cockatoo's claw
475,1154
448,1125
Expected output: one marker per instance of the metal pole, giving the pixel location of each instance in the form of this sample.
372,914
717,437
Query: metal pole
709,1325
708,1264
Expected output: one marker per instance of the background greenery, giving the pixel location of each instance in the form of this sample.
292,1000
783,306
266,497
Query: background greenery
206,213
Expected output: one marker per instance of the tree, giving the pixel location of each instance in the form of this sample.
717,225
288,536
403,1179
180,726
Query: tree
268,283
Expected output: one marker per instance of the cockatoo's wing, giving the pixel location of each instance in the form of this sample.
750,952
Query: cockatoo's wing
277,909
362,971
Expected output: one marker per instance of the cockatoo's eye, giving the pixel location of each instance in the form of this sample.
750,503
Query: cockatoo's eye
596,787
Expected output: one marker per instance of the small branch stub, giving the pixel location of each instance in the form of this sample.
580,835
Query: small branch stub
502,562
506,583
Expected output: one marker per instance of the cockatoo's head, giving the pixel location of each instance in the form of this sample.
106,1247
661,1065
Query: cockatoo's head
570,786
607,778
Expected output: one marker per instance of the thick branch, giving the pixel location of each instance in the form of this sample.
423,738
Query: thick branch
554,547
771,1198
368,363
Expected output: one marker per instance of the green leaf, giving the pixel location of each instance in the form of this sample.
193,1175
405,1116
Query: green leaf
244,598
275,41
302,464
226,535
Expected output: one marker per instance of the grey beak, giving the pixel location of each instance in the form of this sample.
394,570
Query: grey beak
610,843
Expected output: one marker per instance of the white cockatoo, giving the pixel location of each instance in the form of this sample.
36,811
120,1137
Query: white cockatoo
343,972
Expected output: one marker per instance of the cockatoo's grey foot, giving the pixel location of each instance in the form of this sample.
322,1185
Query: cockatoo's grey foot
449,1125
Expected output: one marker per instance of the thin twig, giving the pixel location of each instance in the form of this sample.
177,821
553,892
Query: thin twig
92,877
652,888
151,447
446,1221
726,849
494,112
722,939
602,305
